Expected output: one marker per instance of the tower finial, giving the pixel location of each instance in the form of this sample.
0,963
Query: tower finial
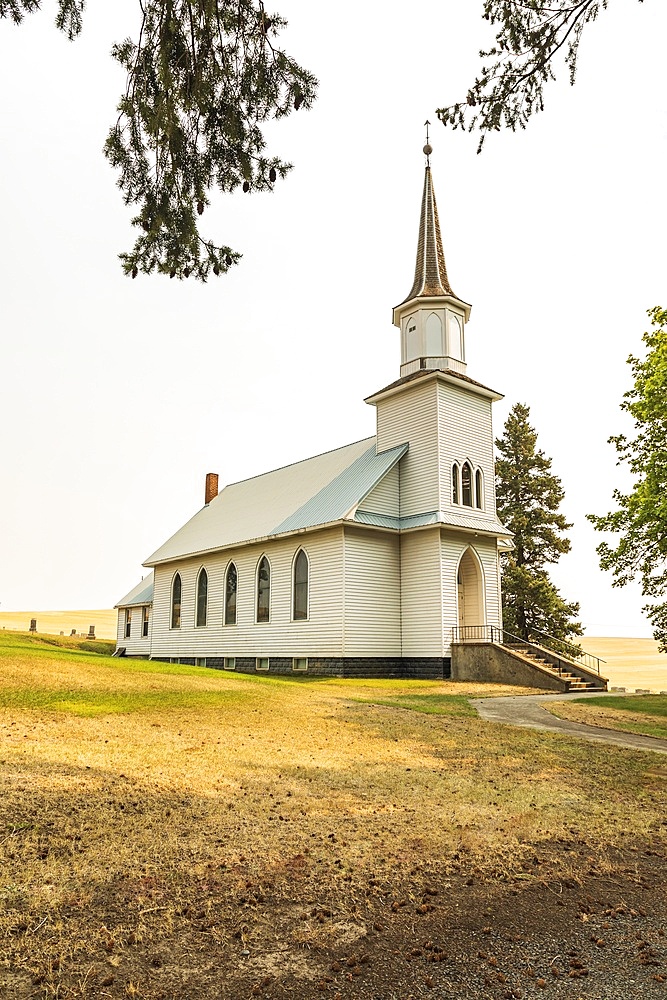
428,148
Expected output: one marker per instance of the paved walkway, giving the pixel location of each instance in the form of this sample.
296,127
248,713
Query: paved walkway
527,711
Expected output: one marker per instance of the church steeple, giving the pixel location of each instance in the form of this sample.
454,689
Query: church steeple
432,318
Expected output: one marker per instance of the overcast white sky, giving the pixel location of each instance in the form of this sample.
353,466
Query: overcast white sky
117,396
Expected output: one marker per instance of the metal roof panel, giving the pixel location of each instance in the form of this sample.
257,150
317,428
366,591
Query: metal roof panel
141,594
335,500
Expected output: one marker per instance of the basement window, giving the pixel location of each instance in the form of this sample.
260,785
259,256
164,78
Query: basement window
300,664
262,663
201,661
229,663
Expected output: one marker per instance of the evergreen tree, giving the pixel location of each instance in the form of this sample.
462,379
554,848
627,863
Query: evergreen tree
641,517
205,75
202,79
528,498
529,38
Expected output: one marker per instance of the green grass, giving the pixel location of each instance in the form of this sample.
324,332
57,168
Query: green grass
88,704
455,705
654,705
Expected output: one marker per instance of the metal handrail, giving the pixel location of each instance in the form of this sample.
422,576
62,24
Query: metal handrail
493,633
578,652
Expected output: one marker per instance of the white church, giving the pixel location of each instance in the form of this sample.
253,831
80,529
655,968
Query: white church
360,562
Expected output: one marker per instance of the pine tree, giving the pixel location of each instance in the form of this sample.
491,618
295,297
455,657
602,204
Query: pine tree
203,78
641,517
530,36
528,498
205,75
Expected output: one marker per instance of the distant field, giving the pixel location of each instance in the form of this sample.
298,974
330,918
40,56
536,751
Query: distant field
55,622
631,663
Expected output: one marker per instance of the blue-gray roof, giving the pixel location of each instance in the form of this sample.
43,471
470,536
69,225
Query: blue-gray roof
482,525
335,500
141,594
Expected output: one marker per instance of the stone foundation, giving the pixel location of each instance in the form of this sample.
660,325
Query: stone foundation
488,662
401,668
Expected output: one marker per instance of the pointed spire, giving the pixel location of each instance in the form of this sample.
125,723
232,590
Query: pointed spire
430,270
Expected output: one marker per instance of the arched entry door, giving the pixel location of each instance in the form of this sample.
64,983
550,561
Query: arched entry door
470,593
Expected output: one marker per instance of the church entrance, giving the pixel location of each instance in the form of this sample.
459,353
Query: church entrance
470,593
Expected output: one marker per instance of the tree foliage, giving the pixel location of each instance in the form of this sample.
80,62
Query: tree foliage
641,515
530,35
528,499
203,78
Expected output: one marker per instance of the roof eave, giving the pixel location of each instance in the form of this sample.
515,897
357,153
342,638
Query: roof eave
428,300
476,387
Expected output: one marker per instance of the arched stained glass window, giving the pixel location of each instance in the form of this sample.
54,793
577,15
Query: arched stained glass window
300,610
202,594
456,492
479,489
263,590
231,580
176,601
466,485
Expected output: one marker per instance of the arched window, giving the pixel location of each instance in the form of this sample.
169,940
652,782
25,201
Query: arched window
456,491
455,337
300,589
479,489
202,594
176,601
466,485
230,595
263,590
434,336
411,339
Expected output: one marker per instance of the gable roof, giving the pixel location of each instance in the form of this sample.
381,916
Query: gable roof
345,492
317,491
141,594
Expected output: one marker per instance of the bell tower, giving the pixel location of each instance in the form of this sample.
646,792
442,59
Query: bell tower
432,318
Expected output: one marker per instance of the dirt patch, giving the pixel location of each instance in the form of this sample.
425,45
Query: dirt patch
443,930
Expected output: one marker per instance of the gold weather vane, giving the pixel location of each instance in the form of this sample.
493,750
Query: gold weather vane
428,148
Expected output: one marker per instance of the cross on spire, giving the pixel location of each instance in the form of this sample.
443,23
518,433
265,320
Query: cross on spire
428,148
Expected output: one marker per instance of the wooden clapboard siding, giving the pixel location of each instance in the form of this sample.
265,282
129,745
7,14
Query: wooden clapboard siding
465,432
487,550
320,634
453,547
412,416
421,593
384,499
137,644
372,624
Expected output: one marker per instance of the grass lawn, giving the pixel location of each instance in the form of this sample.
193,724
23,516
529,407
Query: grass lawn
645,713
154,815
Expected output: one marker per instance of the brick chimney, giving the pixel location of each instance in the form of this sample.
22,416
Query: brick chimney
211,487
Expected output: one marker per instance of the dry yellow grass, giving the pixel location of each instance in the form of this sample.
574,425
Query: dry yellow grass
55,622
117,827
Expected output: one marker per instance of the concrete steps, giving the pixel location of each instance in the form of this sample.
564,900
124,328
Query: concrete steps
574,680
